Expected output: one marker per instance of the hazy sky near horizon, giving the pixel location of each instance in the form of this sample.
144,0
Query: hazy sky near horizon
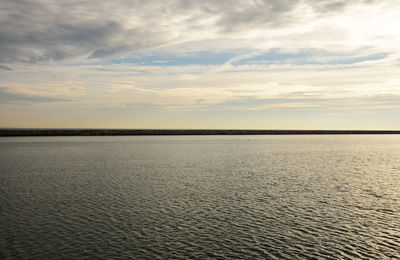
277,64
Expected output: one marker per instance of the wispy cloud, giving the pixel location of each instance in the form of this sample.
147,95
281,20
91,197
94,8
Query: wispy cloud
140,58
7,96
43,30
2,67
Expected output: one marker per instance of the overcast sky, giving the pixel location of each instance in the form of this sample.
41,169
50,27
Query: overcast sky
277,64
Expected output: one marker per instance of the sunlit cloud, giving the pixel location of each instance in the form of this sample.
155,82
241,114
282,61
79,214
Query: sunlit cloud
168,59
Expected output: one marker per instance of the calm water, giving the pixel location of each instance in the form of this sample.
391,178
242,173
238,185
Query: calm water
196,197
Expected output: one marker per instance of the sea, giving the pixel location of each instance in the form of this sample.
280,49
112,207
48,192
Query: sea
200,197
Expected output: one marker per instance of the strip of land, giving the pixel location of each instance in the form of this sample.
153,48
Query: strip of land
100,132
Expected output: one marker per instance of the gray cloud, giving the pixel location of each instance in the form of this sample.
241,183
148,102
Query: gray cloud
7,96
2,67
34,31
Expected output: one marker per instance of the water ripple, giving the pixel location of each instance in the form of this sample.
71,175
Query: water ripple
289,197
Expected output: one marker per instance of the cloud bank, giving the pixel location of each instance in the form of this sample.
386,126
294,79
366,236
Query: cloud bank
42,30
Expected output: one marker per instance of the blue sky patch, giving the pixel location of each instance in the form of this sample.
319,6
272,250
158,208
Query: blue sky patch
167,59
307,57
274,56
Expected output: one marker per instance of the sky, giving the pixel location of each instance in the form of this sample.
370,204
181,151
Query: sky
254,64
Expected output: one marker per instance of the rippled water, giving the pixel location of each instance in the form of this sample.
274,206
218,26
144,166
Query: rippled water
200,196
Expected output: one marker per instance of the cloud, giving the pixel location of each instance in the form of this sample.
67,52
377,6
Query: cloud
9,97
35,31
2,67
151,57
297,102
43,30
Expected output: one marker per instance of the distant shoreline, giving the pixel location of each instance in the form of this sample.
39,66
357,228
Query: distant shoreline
122,132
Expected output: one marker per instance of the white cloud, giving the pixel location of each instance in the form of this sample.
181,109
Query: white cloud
80,50
43,30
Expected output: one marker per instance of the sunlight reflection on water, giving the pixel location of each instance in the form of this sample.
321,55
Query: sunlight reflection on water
200,196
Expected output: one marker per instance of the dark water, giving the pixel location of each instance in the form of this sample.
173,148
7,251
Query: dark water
196,197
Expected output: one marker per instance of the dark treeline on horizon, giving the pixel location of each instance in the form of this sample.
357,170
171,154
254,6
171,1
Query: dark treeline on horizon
99,132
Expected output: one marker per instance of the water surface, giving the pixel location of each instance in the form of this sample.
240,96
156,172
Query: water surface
196,197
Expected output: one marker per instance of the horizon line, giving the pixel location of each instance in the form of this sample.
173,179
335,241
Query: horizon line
9,132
